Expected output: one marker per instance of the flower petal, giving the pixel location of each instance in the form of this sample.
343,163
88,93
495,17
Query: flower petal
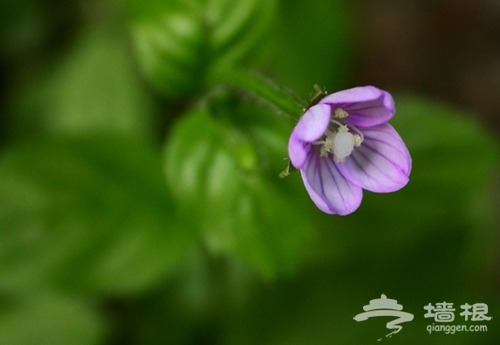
328,189
381,164
297,151
313,124
367,105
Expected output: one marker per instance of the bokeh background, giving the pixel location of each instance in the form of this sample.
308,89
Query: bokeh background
139,199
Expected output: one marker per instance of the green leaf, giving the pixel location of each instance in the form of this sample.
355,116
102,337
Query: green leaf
94,88
179,42
217,173
89,214
237,28
47,319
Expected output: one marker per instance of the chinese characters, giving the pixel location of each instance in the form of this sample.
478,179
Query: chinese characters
444,312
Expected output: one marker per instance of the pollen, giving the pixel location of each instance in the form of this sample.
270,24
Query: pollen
340,113
357,140
327,146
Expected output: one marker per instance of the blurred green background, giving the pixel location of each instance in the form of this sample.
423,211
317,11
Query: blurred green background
139,199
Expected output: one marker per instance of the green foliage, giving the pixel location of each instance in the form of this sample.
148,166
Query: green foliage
92,89
214,171
89,214
48,319
179,42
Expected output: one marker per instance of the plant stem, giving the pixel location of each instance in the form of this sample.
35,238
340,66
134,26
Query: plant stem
282,99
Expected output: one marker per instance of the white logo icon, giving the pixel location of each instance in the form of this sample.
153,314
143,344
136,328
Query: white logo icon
385,307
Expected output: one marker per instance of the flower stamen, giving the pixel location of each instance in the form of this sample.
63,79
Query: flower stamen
359,135
340,113
340,142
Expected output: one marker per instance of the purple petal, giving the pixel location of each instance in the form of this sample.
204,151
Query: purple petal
367,105
297,151
328,189
313,124
381,164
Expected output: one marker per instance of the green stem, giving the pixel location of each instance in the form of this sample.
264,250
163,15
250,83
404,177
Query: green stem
284,100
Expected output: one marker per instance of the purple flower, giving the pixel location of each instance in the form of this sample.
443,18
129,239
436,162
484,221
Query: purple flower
344,144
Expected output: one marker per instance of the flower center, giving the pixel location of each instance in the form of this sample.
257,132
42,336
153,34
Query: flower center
343,144
338,140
